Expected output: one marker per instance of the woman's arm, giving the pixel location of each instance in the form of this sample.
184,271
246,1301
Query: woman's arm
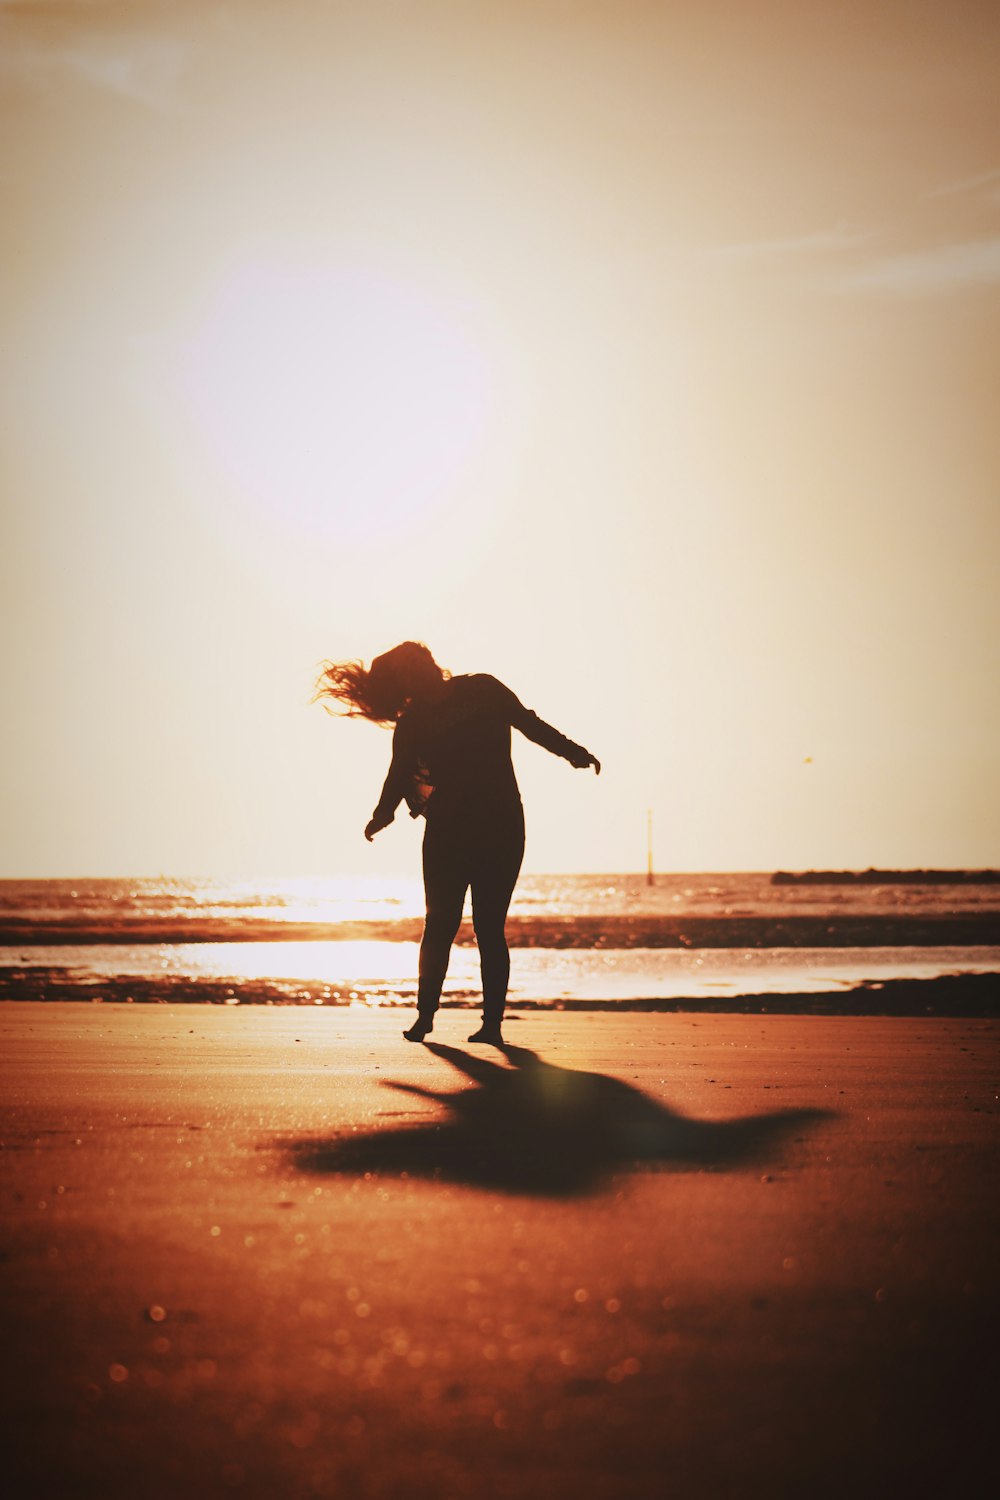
396,783
534,728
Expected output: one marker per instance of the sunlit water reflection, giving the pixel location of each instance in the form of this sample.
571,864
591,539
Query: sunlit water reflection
385,973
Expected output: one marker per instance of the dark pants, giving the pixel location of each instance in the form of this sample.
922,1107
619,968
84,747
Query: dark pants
485,854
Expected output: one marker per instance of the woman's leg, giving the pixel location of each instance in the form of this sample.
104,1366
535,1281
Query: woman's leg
445,884
493,879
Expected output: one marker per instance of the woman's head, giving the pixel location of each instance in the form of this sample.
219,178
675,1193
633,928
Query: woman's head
381,691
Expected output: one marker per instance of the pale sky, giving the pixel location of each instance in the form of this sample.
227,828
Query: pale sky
644,355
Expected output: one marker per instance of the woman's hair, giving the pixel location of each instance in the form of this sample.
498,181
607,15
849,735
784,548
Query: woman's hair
381,691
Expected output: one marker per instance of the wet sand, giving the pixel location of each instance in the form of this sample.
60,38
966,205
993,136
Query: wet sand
259,1251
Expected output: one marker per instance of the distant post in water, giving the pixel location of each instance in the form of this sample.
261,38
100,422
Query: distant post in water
649,846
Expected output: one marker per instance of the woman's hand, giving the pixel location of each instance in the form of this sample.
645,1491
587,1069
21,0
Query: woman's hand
376,823
584,760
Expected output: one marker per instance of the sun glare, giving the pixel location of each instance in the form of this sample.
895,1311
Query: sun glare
338,400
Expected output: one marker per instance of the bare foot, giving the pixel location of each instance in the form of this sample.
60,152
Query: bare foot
418,1031
488,1035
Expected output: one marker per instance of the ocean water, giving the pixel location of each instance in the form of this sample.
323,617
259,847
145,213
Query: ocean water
577,940
348,899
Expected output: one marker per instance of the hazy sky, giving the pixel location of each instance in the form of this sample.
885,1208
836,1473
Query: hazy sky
644,355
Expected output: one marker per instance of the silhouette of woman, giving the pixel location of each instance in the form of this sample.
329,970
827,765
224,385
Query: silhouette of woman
451,763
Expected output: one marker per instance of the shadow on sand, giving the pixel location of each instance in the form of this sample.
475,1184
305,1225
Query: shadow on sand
536,1128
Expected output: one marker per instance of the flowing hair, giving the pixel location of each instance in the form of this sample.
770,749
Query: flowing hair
380,692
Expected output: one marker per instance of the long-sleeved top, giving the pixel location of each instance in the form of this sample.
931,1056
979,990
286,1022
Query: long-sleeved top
452,756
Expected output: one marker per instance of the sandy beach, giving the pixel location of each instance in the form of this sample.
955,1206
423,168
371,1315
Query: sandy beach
277,1251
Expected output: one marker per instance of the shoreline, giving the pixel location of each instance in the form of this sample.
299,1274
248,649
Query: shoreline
825,930
601,933
959,995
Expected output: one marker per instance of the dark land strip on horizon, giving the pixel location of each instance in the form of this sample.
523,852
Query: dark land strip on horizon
886,877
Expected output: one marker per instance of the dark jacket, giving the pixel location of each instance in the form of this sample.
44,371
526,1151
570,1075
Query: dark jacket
452,756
